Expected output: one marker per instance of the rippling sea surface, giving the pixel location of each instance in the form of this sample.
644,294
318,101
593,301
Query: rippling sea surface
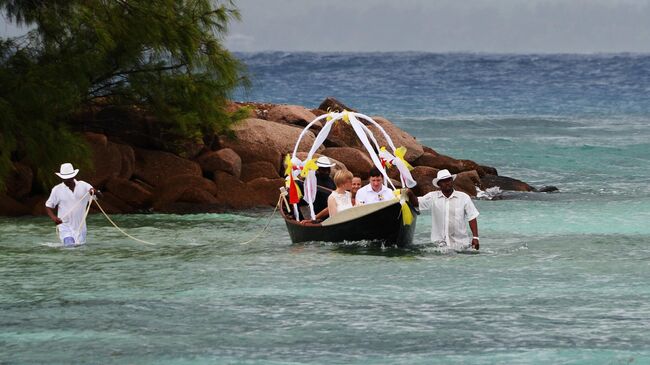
561,278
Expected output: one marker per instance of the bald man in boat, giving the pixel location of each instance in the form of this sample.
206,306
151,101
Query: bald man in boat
451,211
70,199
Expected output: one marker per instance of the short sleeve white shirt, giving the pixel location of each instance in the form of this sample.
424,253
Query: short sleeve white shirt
366,195
449,217
71,208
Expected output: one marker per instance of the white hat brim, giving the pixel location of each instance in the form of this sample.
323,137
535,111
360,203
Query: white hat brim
325,164
435,181
68,176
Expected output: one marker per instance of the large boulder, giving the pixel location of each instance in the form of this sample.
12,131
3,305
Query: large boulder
467,182
291,114
505,183
131,192
358,162
224,159
196,195
440,162
429,150
235,194
156,167
261,140
254,170
128,161
266,191
342,135
107,160
424,176
11,207
173,190
113,204
330,104
489,170
19,181
232,192
399,137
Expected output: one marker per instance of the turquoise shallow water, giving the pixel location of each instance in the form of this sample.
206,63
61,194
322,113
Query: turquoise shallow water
561,278
558,295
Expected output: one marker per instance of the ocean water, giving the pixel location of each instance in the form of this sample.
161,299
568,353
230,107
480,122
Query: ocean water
561,278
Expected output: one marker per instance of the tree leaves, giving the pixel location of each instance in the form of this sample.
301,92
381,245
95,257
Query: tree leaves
165,57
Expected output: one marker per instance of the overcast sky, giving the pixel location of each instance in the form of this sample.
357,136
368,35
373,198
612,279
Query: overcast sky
513,26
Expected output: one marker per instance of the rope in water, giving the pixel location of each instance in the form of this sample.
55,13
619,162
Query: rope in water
120,229
147,242
267,222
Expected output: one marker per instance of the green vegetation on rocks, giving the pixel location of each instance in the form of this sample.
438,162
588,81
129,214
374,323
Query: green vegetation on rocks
164,58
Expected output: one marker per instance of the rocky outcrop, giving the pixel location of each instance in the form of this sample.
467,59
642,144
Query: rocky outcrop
224,159
400,138
238,170
12,208
254,170
467,182
107,160
356,161
424,176
261,140
291,114
155,167
330,104
19,182
130,192
505,183
173,189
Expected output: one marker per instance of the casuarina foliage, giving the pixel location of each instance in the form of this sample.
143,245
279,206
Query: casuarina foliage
164,57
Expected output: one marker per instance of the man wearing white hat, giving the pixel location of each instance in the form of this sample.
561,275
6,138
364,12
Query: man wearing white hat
451,210
323,180
70,199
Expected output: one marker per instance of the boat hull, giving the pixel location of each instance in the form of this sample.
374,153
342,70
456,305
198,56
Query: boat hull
382,226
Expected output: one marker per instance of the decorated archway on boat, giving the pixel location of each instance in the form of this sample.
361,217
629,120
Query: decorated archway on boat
382,157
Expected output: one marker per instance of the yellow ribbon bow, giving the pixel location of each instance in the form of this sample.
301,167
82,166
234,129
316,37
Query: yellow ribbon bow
388,164
309,165
346,117
407,215
288,164
400,153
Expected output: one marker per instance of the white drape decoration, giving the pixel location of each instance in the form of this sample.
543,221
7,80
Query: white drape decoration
367,138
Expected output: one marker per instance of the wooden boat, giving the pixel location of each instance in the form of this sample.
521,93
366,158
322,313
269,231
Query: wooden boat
390,222
376,223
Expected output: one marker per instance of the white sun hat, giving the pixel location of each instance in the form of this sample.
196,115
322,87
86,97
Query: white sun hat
442,175
67,171
323,161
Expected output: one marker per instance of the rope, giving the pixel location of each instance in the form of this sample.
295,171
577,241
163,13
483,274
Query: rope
81,223
267,222
151,243
120,229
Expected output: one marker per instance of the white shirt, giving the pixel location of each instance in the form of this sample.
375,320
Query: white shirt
343,201
71,209
366,195
449,217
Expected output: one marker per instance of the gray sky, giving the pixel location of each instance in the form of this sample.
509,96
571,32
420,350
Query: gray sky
513,26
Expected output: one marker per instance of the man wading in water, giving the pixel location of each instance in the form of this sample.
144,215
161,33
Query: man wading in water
451,210
70,199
